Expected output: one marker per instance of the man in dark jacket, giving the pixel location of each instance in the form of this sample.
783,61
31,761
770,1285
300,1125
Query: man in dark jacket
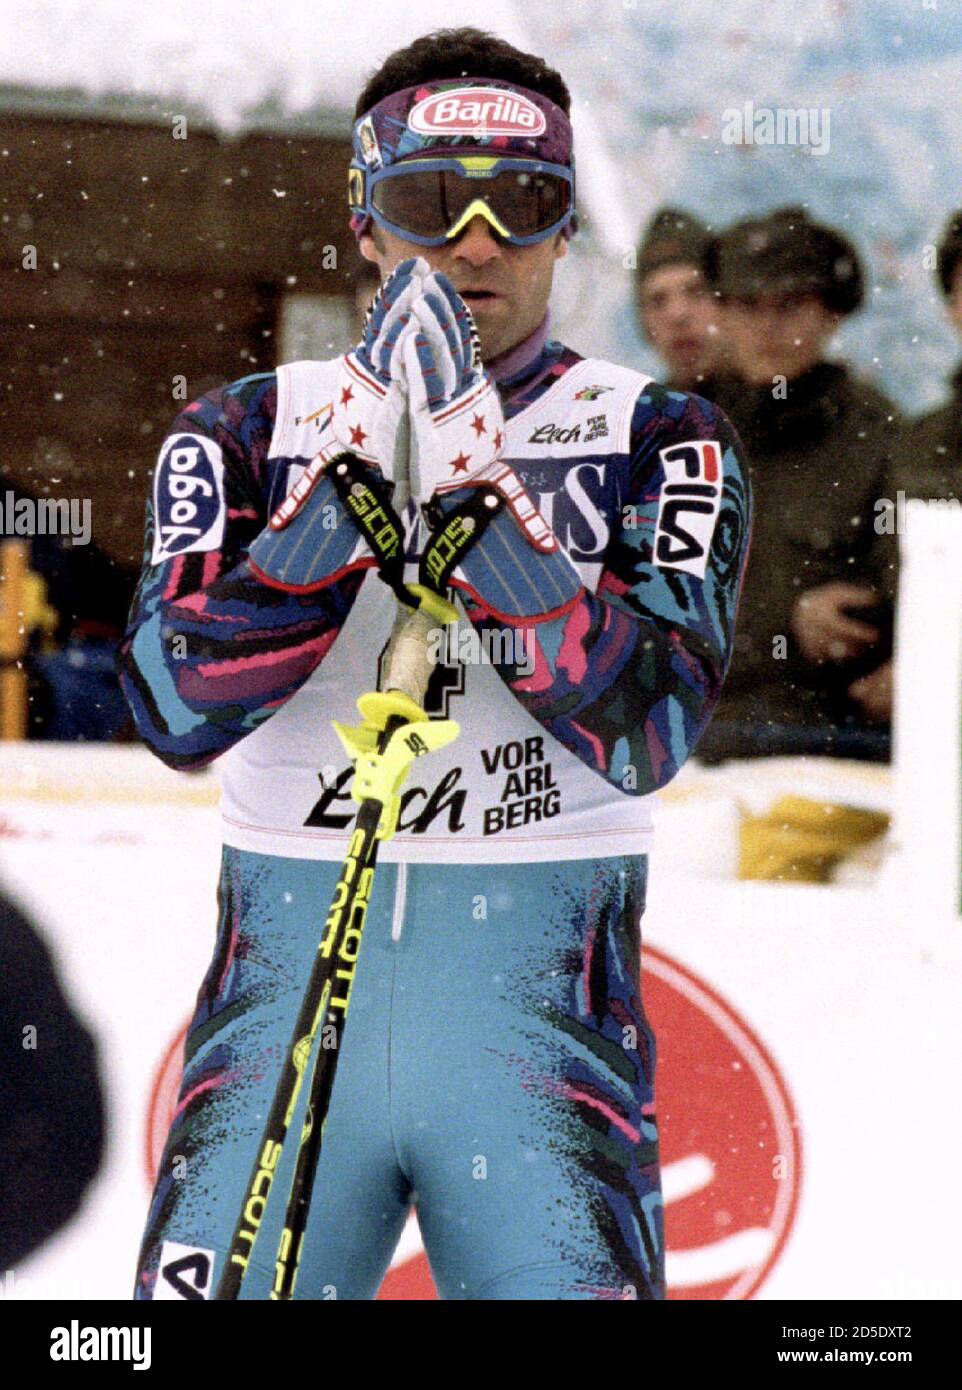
813,636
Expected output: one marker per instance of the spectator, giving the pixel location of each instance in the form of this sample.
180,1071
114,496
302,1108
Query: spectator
676,307
809,671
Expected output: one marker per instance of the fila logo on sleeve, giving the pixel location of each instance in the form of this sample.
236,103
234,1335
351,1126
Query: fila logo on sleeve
189,507
688,505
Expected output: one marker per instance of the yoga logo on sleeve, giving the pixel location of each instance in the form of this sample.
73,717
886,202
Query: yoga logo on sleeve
189,506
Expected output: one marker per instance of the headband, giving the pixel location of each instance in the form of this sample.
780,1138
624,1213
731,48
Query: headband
452,115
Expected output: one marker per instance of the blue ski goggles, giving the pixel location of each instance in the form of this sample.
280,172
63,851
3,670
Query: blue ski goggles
431,201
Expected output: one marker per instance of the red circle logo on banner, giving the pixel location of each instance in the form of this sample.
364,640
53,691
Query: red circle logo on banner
730,1149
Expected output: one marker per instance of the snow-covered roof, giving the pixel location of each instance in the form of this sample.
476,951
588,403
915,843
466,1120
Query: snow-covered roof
238,65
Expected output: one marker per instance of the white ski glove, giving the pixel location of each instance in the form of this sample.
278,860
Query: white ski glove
370,398
457,425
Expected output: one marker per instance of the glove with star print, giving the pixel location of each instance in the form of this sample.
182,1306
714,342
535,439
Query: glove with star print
370,397
457,425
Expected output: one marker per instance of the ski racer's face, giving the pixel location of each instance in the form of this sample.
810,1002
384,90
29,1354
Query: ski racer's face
505,287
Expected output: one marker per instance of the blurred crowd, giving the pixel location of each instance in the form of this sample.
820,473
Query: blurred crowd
70,615
746,316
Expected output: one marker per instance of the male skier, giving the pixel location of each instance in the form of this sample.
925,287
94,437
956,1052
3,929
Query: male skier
497,1072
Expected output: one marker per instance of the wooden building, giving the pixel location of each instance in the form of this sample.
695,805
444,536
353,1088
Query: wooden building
144,257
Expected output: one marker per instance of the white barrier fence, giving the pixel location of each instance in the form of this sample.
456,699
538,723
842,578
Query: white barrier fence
927,762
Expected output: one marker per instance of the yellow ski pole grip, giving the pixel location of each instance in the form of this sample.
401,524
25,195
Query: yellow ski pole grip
395,728
416,644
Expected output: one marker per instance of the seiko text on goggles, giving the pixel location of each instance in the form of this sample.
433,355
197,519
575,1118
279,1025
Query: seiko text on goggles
431,201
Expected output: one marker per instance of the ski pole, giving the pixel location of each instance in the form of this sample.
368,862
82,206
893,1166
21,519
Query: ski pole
394,731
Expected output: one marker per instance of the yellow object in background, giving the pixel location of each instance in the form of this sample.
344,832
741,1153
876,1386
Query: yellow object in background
23,609
803,841
14,559
37,612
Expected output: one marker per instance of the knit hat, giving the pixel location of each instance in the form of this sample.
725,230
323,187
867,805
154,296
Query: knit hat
673,237
785,253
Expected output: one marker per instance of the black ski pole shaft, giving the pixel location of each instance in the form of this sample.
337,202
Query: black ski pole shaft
327,994
345,926
315,1005
408,671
